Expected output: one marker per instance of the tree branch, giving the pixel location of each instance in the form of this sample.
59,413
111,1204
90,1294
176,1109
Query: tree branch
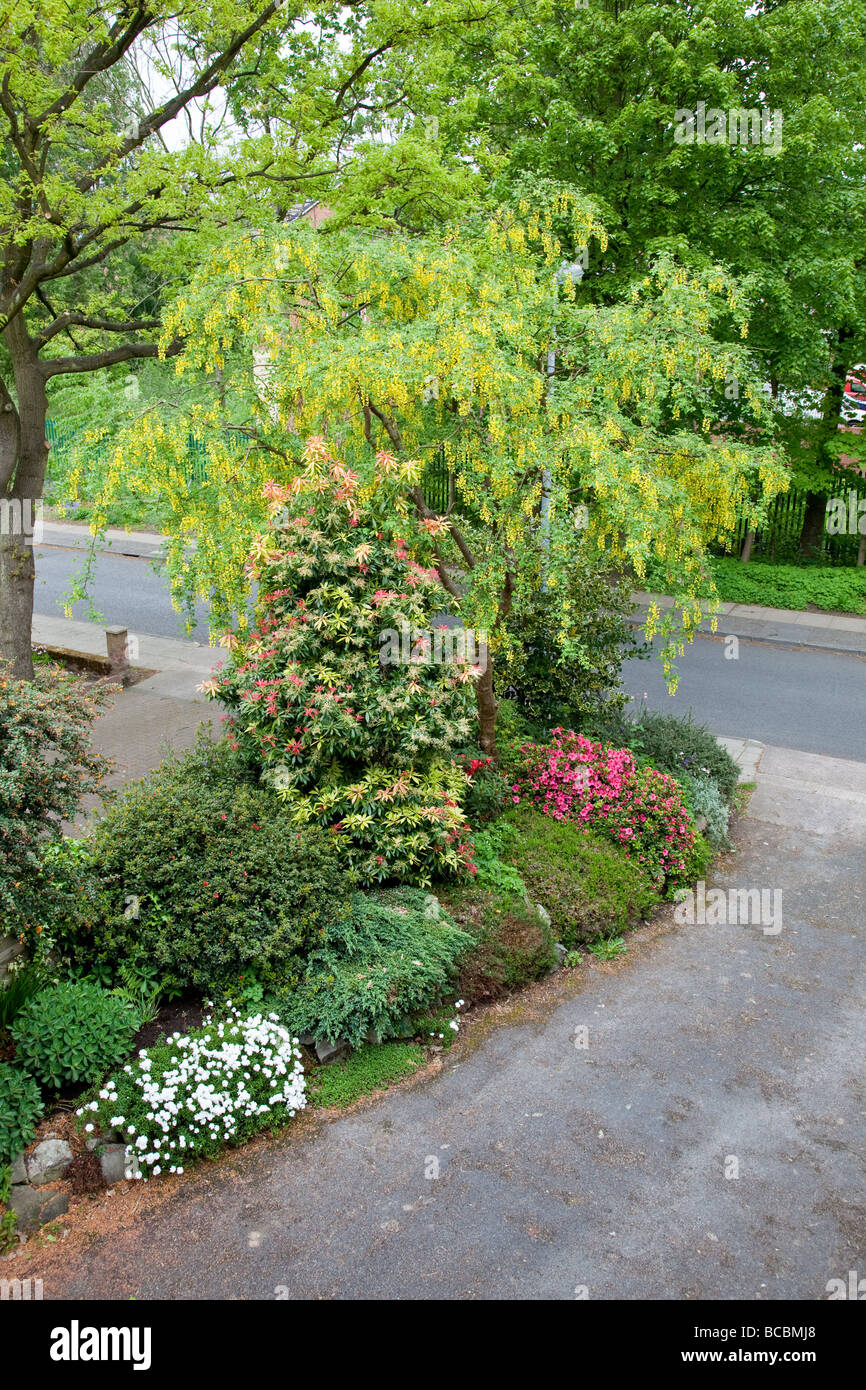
93,362
73,320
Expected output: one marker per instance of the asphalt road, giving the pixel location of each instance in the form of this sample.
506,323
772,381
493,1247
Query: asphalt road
804,699
124,590
792,697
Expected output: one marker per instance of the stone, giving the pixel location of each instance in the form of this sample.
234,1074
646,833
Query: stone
48,1162
307,1040
19,1171
330,1051
107,1136
371,1036
34,1209
561,952
113,1162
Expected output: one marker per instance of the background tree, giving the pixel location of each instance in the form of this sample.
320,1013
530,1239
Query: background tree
589,94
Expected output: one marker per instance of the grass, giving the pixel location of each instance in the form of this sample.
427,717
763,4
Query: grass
831,588
371,1068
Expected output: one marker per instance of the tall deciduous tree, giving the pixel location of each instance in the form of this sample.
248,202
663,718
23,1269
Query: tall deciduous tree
96,160
591,93
477,347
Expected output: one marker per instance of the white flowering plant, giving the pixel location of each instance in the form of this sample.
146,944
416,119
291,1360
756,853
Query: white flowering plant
196,1093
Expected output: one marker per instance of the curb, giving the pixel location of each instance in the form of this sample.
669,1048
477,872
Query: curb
793,642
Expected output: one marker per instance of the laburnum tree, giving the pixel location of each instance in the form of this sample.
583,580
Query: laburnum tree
339,696
475,347
131,135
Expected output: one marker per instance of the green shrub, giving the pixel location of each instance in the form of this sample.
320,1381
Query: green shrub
672,744
46,766
71,1034
560,670
20,1108
587,885
704,798
207,877
392,955
513,944
700,860
488,794
370,1068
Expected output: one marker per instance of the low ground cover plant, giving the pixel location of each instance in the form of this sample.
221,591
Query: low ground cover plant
829,587
586,885
199,1092
513,944
368,1068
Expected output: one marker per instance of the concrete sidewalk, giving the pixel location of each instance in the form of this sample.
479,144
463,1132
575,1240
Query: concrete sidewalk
830,632
76,535
706,1142
161,713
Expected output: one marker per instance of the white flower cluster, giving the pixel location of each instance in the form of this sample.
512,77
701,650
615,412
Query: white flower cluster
207,1090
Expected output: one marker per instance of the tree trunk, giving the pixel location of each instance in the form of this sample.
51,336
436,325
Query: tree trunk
16,603
487,709
23,460
812,533
746,552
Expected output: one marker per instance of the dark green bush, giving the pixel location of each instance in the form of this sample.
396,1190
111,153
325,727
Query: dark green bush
71,1034
513,945
488,793
587,885
560,670
205,875
391,956
46,767
20,1108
